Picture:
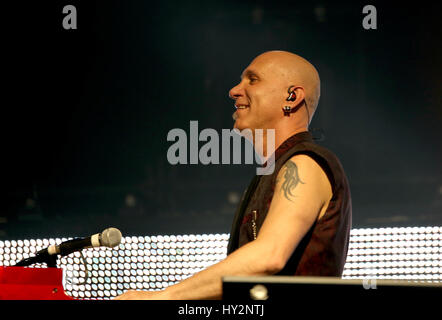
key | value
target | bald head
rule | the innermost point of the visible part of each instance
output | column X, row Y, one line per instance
column 296, row 71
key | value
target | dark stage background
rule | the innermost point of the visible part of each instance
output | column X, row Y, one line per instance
column 86, row 112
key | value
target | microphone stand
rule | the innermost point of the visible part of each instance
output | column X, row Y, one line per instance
column 50, row 260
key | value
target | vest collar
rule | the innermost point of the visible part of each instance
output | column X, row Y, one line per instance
column 292, row 141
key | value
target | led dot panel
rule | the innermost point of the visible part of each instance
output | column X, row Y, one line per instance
column 412, row 253
column 144, row 263
column 156, row 262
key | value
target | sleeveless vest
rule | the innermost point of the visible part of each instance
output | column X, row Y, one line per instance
column 323, row 249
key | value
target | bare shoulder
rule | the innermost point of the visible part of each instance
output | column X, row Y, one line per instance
column 303, row 172
column 301, row 196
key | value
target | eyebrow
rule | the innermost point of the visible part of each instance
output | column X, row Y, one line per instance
column 249, row 73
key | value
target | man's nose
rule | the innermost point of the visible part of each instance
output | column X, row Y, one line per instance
column 236, row 92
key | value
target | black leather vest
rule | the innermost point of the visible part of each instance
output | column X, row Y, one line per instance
column 323, row 250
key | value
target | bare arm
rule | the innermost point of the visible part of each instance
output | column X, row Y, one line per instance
column 301, row 193
column 207, row 284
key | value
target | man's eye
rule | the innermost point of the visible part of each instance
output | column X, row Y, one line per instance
column 252, row 80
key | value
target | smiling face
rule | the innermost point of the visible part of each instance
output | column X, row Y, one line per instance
column 262, row 92
column 259, row 95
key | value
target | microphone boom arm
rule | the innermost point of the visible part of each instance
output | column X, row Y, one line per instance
column 44, row 257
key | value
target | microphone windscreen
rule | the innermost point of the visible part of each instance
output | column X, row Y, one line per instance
column 111, row 237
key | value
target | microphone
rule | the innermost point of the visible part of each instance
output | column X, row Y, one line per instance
column 110, row 238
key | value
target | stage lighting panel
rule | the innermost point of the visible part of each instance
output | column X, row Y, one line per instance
column 155, row 262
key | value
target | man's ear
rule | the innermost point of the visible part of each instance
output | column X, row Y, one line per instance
column 296, row 94
column 293, row 102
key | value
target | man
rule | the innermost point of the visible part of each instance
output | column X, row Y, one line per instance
column 297, row 220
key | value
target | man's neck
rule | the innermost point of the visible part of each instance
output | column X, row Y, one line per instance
column 265, row 148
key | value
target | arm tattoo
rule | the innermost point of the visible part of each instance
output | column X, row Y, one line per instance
column 291, row 179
